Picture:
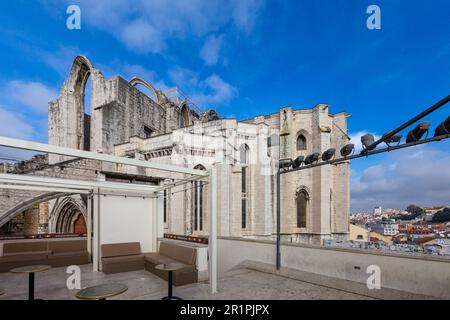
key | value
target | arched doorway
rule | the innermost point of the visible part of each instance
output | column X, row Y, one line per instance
column 185, row 116
column 79, row 225
column 68, row 216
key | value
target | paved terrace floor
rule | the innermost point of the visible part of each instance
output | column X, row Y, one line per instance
column 238, row 284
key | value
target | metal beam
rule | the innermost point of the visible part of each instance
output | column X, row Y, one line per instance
column 408, row 123
column 179, row 182
column 68, row 183
column 42, row 188
column 41, row 147
column 369, row 153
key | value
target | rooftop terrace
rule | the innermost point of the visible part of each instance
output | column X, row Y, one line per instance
column 238, row 284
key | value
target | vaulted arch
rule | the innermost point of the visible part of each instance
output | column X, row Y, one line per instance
column 302, row 207
column 66, row 213
column 136, row 80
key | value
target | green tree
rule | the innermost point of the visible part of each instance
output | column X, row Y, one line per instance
column 442, row 216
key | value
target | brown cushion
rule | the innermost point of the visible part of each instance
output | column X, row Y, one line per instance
column 24, row 246
column 68, row 254
column 121, row 249
column 178, row 252
column 17, row 254
column 156, row 258
column 24, row 257
column 129, row 258
column 67, row 246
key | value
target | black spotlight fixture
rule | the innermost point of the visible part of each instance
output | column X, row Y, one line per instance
column 328, row 155
column 285, row 164
column 394, row 139
column 367, row 140
column 443, row 128
column 347, row 149
column 417, row 133
column 298, row 162
column 314, row 157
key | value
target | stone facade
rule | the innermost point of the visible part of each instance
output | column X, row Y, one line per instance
column 126, row 122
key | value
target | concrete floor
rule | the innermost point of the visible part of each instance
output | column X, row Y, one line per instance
column 238, row 284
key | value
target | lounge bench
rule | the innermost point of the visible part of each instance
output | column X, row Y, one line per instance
column 171, row 252
column 55, row 253
column 122, row 257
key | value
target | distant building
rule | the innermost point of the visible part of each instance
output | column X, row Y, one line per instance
column 377, row 211
column 386, row 227
column 359, row 233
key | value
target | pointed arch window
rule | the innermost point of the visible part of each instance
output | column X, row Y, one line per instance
column 302, row 207
column 198, row 202
column 244, row 151
column 301, row 143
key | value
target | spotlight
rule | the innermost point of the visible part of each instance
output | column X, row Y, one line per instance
column 285, row 164
column 347, row 149
column 443, row 128
column 298, row 162
column 314, row 157
column 366, row 141
column 394, row 139
column 327, row 155
column 417, row 133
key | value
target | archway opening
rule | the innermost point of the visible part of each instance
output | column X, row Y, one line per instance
column 79, row 225
column 184, row 116
column 87, row 105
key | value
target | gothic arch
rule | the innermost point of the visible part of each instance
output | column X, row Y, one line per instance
column 184, row 112
column 79, row 73
column 66, row 211
column 244, row 154
column 302, row 205
column 136, row 80
column 26, row 204
column 302, row 140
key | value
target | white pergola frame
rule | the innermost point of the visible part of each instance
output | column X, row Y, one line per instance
column 39, row 183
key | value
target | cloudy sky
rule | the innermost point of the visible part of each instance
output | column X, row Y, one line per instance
column 250, row 57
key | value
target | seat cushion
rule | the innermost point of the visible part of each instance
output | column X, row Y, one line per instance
column 24, row 247
column 178, row 252
column 24, row 257
column 121, row 249
column 67, row 245
column 112, row 260
column 68, row 254
column 156, row 258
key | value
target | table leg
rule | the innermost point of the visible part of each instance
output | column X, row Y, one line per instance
column 31, row 286
column 170, row 288
column 170, row 284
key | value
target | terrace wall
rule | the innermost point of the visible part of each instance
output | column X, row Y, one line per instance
column 415, row 274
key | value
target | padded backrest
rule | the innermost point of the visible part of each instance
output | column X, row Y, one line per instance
column 31, row 246
column 178, row 252
column 67, row 245
column 121, row 249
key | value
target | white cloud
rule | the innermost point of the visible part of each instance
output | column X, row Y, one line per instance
column 211, row 49
column 142, row 37
column 419, row 175
column 33, row 95
column 14, row 126
column 147, row 26
column 219, row 91
column 245, row 13
column 60, row 60
column 204, row 92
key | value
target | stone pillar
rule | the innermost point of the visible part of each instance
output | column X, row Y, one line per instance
column 31, row 220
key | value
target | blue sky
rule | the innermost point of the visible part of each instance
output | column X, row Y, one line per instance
column 246, row 58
